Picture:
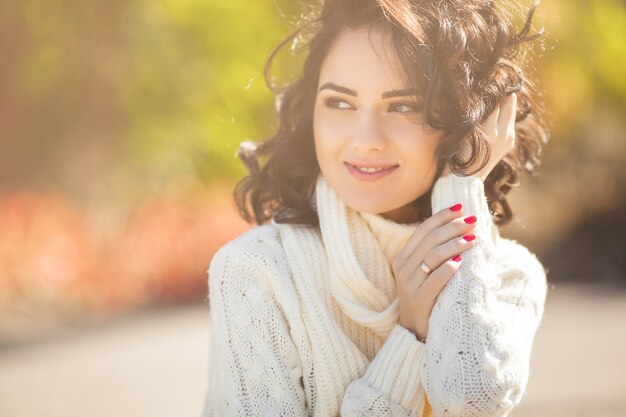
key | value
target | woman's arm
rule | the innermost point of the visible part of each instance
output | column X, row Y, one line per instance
column 391, row 384
column 483, row 324
column 254, row 367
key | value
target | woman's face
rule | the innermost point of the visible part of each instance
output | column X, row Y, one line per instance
column 364, row 116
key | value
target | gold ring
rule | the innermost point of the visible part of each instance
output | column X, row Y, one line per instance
column 425, row 268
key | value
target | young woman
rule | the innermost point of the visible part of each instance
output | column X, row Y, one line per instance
column 376, row 282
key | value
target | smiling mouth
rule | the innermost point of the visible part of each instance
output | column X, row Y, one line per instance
column 372, row 169
column 369, row 174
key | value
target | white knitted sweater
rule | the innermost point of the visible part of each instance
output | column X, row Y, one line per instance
column 304, row 320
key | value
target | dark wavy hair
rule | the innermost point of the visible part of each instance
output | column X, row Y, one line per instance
column 462, row 56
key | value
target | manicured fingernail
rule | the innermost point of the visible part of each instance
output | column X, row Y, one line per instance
column 457, row 258
column 456, row 207
column 469, row 237
column 470, row 219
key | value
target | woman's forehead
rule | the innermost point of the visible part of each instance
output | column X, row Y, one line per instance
column 365, row 59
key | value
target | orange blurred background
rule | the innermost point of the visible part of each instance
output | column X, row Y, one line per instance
column 120, row 120
column 119, row 124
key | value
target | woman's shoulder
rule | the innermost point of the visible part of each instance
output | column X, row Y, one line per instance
column 253, row 268
column 244, row 270
column 257, row 246
column 261, row 249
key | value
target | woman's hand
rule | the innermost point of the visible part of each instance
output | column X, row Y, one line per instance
column 436, row 241
column 499, row 128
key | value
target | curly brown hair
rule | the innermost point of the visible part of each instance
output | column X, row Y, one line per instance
column 462, row 56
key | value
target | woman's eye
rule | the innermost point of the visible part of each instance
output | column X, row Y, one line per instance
column 337, row 104
column 404, row 107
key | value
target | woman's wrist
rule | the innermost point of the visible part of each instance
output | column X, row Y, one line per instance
column 418, row 337
column 414, row 332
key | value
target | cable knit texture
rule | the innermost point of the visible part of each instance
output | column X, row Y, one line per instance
column 304, row 320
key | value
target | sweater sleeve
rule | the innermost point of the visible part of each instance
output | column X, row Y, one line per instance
column 484, row 321
column 391, row 384
column 254, row 367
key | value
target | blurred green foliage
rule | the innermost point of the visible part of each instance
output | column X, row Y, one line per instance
column 119, row 102
column 197, row 87
column 169, row 88
column 586, row 63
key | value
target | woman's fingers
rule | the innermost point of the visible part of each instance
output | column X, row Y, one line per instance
column 507, row 113
column 501, row 121
column 442, row 244
column 490, row 125
column 499, row 129
column 506, row 120
column 441, row 218
column 437, row 256
column 439, row 278
column 436, row 241
column 455, row 228
column 427, row 292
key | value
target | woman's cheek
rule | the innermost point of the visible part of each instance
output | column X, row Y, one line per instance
column 402, row 131
column 327, row 139
column 331, row 128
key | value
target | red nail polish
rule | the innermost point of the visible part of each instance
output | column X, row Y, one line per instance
column 470, row 219
column 470, row 236
column 457, row 258
column 456, row 207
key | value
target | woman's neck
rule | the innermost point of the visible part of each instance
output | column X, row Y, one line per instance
column 391, row 235
column 403, row 215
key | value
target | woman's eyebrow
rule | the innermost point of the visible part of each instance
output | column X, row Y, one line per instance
column 400, row 93
column 339, row 89
column 387, row 94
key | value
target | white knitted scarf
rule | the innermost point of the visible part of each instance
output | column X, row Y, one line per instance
column 360, row 275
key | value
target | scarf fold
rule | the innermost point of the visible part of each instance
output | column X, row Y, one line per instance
column 360, row 247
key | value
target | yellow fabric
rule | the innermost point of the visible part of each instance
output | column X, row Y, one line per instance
column 428, row 410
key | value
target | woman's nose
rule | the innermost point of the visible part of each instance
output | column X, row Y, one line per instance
column 368, row 133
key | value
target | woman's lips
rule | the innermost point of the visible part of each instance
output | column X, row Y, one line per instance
column 369, row 176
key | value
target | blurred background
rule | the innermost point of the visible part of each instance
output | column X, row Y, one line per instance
column 119, row 124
